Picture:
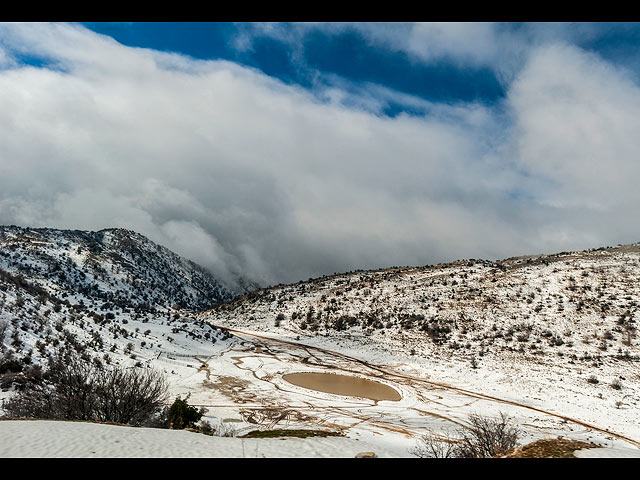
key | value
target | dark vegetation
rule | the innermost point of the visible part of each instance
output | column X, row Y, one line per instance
column 72, row 389
column 279, row 433
column 75, row 389
column 181, row 415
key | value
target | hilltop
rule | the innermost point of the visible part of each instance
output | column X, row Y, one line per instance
column 113, row 265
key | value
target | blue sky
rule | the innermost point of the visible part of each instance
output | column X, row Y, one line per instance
column 345, row 54
column 296, row 57
column 283, row 151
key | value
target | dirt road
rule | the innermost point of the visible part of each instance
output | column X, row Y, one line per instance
column 388, row 373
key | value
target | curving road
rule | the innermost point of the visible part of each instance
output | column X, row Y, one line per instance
column 385, row 372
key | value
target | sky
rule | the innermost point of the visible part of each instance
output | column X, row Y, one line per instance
column 284, row 151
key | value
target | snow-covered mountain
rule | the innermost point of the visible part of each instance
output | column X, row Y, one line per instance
column 552, row 336
column 577, row 307
column 113, row 266
column 109, row 296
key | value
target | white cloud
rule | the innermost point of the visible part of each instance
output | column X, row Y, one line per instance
column 6, row 60
column 474, row 43
column 577, row 118
column 244, row 174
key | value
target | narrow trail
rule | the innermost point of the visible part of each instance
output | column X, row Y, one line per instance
column 391, row 373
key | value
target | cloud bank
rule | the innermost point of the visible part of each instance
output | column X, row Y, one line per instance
column 248, row 176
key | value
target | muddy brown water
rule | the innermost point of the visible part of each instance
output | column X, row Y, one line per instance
column 343, row 385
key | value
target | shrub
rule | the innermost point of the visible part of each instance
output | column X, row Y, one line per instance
column 485, row 437
column 205, row 427
column 430, row 446
column 72, row 389
column 9, row 364
column 182, row 415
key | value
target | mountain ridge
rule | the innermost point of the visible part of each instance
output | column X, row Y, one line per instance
column 112, row 264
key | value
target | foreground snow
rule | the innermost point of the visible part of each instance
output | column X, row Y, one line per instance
column 617, row 452
column 44, row 438
column 49, row 439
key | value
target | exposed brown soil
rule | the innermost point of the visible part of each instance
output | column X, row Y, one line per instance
column 549, row 448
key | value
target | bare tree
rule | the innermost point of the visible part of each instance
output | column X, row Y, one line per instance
column 432, row 446
column 485, row 437
column 60, row 393
column 130, row 395
column 72, row 389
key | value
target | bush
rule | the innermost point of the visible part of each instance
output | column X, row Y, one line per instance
column 182, row 415
column 10, row 365
column 483, row 438
column 487, row 437
column 430, row 446
column 205, row 427
column 72, row 389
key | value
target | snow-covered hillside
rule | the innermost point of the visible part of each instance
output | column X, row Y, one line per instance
column 549, row 339
column 556, row 333
column 111, row 296
column 115, row 266
column 581, row 308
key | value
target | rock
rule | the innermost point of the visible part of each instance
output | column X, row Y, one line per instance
column 366, row 455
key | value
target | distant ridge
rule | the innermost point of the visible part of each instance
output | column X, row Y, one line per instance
column 112, row 265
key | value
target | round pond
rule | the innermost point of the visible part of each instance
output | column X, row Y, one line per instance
column 343, row 385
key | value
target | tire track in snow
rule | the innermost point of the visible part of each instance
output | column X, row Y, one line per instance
column 386, row 372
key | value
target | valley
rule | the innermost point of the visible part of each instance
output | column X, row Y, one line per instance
column 548, row 340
